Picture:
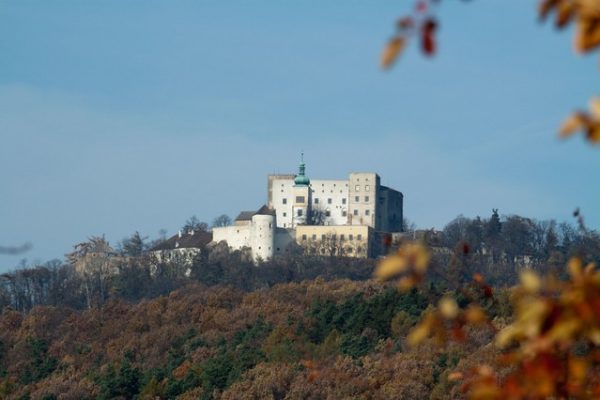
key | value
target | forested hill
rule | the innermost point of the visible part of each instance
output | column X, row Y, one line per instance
column 310, row 340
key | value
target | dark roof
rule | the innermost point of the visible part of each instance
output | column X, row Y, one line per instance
column 187, row 241
column 264, row 210
column 247, row 215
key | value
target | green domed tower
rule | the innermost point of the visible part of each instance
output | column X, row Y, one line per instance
column 301, row 206
column 301, row 179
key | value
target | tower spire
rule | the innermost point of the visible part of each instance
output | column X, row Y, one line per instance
column 301, row 179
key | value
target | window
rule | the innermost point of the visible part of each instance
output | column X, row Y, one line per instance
column 366, row 199
column 355, row 212
column 344, row 200
column 300, row 212
column 357, row 188
column 285, row 214
column 342, row 237
column 270, row 225
column 316, row 201
column 328, row 201
column 333, row 236
column 367, row 212
column 358, row 237
column 314, row 237
column 344, row 213
column 284, row 201
column 350, row 237
column 303, row 237
column 367, row 187
column 328, row 213
column 300, row 199
column 356, row 199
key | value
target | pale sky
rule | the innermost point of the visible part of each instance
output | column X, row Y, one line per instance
column 117, row 116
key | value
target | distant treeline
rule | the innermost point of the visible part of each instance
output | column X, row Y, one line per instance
column 495, row 247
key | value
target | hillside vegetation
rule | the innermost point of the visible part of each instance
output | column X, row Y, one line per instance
column 310, row 340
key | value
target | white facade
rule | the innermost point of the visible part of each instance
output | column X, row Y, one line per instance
column 295, row 201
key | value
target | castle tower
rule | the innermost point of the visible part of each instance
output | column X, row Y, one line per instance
column 301, row 200
column 262, row 235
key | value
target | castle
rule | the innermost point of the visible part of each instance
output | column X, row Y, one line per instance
column 351, row 217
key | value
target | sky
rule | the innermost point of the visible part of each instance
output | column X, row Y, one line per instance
column 118, row 117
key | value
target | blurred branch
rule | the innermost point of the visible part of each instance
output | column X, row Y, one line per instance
column 13, row 250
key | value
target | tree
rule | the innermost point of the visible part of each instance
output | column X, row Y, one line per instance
column 194, row 224
column 585, row 14
column 134, row 245
column 221, row 220
column 317, row 216
column 93, row 261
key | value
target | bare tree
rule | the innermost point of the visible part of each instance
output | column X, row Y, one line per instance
column 221, row 220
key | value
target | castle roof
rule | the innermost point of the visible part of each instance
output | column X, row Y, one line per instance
column 197, row 240
column 247, row 215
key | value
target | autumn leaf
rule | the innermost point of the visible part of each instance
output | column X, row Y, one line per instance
column 428, row 36
column 574, row 123
column 392, row 51
column 587, row 35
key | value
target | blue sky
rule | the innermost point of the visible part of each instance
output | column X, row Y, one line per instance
column 122, row 116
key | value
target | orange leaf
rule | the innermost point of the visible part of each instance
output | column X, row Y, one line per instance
column 392, row 51
column 546, row 6
column 564, row 13
column 574, row 123
column 587, row 36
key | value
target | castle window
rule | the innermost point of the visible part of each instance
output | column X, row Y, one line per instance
column 351, row 237
column 328, row 213
column 356, row 199
column 359, row 237
column 342, row 237
column 355, row 212
column 300, row 213
column 367, row 212
column 314, row 237
column 344, row 213
column 316, row 200
column 328, row 201
column 357, row 188
column 344, row 200
column 284, row 201
column 367, row 199
column 367, row 188
column 299, row 199
column 285, row 214
column 303, row 237
column 322, row 237
column 278, row 249
column 270, row 225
